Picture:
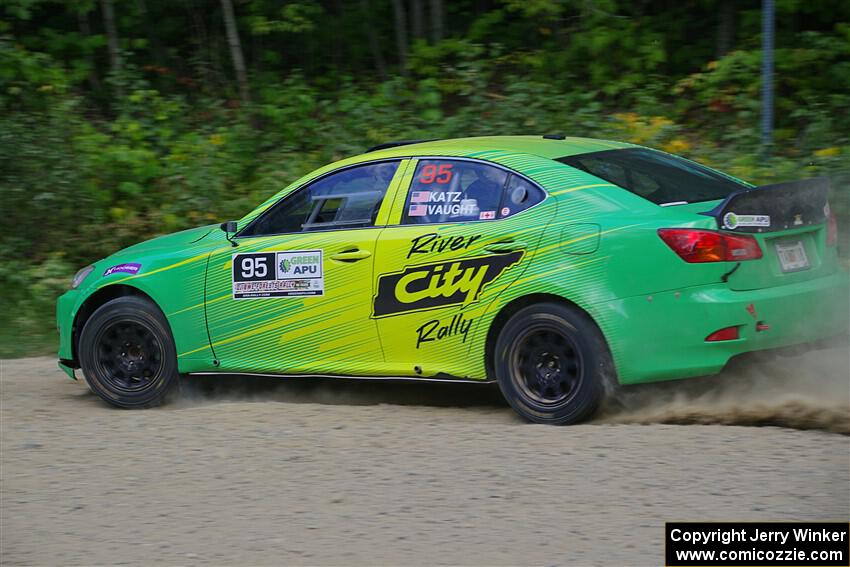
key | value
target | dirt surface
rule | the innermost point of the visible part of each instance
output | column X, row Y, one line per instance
column 270, row 471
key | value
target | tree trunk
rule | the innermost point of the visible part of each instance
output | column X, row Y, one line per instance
column 111, row 35
column 372, row 37
column 417, row 19
column 85, row 31
column 401, row 34
column 203, row 65
column 725, row 28
column 437, row 20
column 150, row 31
column 236, row 51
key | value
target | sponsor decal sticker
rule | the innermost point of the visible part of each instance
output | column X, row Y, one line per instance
column 291, row 273
column 129, row 268
column 505, row 211
column 441, row 284
column 733, row 221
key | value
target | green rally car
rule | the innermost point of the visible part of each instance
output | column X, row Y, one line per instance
column 555, row 266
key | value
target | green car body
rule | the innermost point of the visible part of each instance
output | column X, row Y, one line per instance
column 383, row 309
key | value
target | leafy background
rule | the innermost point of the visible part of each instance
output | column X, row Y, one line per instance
column 124, row 120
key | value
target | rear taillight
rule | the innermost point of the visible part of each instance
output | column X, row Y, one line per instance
column 697, row 245
column 725, row 334
column 831, row 227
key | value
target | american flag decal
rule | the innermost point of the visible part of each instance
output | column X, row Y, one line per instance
column 417, row 211
column 420, row 196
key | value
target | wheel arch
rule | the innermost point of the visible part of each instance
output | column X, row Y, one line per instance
column 515, row 305
column 93, row 302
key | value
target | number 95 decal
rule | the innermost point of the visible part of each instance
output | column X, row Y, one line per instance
column 290, row 273
column 432, row 174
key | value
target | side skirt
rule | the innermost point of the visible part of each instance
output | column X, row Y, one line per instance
column 438, row 378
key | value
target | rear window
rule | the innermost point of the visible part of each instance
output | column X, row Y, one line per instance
column 658, row 177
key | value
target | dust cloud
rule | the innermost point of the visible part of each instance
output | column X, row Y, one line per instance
column 800, row 389
column 803, row 389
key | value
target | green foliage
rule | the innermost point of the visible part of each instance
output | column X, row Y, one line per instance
column 93, row 161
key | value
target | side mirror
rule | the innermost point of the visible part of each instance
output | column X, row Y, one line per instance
column 229, row 226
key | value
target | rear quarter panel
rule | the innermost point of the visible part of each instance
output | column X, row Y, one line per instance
column 627, row 257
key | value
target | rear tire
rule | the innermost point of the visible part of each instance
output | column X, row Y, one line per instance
column 127, row 353
column 552, row 364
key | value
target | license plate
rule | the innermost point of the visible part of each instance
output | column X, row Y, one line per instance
column 792, row 256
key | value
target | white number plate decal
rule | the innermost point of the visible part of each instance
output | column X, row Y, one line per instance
column 293, row 273
column 792, row 256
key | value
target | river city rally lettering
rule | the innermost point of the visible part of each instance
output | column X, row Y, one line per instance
column 440, row 284
column 434, row 330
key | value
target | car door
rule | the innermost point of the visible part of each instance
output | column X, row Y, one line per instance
column 294, row 295
column 465, row 230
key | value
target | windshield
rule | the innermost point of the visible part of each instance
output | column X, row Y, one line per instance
column 661, row 178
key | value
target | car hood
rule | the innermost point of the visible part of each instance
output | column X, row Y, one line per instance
column 166, row 242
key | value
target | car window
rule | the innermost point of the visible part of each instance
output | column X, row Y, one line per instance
column 345, row 199
column 656, row 176
column 520, row 194
column 453, row 191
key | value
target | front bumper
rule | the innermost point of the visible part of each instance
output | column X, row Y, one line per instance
column 662, row 336
column 66, row 306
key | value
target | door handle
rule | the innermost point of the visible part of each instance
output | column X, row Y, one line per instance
column 351, row 255
column 506, row 246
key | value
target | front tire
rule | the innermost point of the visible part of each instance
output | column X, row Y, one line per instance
column 552, row 364
column 127, row 353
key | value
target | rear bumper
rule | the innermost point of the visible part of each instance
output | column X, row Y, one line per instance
column 662, row 336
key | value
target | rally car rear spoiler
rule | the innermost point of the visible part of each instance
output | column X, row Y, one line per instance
column 769, row 208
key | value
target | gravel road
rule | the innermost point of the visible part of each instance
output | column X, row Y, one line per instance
column 267, row 471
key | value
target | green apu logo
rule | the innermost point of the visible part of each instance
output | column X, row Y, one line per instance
column 733, row 221
column 300, row 264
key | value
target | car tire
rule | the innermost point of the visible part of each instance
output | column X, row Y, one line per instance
column 552, row 364
column 127, row 353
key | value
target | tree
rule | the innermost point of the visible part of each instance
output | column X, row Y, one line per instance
column 437, row 20
column 401, row 34
column 725, row 28
column 235, row 51
column 372, row 38
column 111, row 35
column 417, row 19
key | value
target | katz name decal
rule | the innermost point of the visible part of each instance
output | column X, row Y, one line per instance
column 431, row 286
column 278, row 274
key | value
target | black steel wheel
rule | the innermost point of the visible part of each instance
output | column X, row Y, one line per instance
column 552, row 364
column 127, row 353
